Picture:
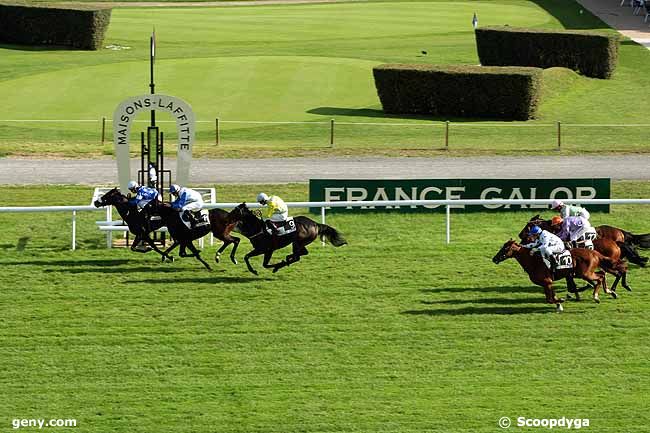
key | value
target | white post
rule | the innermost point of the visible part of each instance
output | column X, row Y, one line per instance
column 448, row 225
column 322, row 221
column 109, row 233
column 74, row 230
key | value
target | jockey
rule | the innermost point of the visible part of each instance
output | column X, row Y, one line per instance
column 277, row 211
column 575, row 229
column 145, row 197
column 187, row 201
column 569, row 210
column 546, row 243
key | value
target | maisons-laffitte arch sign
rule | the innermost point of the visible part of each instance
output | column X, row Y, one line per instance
column 129, row 109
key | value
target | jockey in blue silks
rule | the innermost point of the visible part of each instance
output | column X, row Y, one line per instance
column 145, row 196
column 187, row 201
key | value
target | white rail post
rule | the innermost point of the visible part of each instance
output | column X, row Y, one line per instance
column 109, row 233
column 322, row 221
column 448, row 225
column 74, row 230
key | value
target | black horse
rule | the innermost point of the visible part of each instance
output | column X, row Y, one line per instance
column 138, row 222
column 181, row 234
column 307, row 230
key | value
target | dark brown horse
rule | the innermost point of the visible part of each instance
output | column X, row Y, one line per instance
column 221, row 226
column 585, row 265
column 307, row 230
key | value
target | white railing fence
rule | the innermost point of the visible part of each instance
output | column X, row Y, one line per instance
column 324, row 205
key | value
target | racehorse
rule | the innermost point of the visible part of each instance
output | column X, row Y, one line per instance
column 607, row 247
column 181, row 234
column 307, row 230
column 221, row 227
column 136, row 221
column 617, row 235
column 585, row 263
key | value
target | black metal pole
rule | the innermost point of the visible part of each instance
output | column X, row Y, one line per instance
column 152, row 86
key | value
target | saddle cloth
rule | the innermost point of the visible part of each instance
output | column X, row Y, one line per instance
column 563, row 260
column 201, row 218
column 283, row 227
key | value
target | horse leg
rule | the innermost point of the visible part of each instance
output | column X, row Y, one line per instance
column 197, row 254
column 168, row 250
column 551, row 298
column 267, row 259
column 627, row 287
column 248, row 263
column 217, row 255
column 234, row 249
column 572, row 288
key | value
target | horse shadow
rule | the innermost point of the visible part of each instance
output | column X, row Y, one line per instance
column 494, row 289
column 502, row 310
column 199, row 280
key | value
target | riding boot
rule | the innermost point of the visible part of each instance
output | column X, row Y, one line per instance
column 190, row 217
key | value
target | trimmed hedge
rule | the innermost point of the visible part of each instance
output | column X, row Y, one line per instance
column 459, row 91
column 35, row 25
column 590, row 53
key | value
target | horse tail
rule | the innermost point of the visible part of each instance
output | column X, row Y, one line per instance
column 332, row 235
column 607, row 264
column 642, row 241
column 631, row 254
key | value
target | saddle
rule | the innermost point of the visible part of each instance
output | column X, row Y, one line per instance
column 282, row 227
column 199, row 220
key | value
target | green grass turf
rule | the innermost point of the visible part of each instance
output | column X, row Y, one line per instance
column 308, row 63
column 395, row 332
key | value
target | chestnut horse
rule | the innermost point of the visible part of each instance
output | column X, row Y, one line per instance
column 605, row 246
column 585, row 265
column 619, row 235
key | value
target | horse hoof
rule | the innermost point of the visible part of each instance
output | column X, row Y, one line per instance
column 559, row 308
column 628, row 288
column 597, row 300
column 216, row 259
column 171, row 259
column 614, row 295
column 234, row 261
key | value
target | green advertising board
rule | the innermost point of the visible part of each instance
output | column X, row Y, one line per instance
column 449, row 189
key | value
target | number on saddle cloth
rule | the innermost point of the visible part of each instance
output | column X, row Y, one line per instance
column 283, row 227
column 563, row 260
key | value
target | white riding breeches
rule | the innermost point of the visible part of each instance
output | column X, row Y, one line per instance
column 193, row 207
column 278, row 217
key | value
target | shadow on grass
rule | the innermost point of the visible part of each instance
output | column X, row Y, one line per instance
column 68, row 263
column 378, row 113
column 504, row 301
column 198, row 280
column 494, row 289
column 482, row 310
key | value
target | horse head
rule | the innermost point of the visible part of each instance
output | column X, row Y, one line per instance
column 534, row 221
column 109, row 198
column 507, row 250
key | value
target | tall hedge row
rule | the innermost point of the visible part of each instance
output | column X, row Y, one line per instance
column 590, row 53
column 459, row 91
column 35, row 25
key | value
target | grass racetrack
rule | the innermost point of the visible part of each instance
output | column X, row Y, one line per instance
column 395, row 332
column 308, row 63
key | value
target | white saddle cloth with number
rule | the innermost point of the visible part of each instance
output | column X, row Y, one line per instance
column 563, row 260
column 283, row 227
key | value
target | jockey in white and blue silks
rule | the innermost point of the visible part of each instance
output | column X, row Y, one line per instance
column 143, row 195
column 187, row 201
column 546, row 243
column 575, row 229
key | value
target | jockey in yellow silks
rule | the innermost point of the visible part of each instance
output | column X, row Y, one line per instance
column 276, row 209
